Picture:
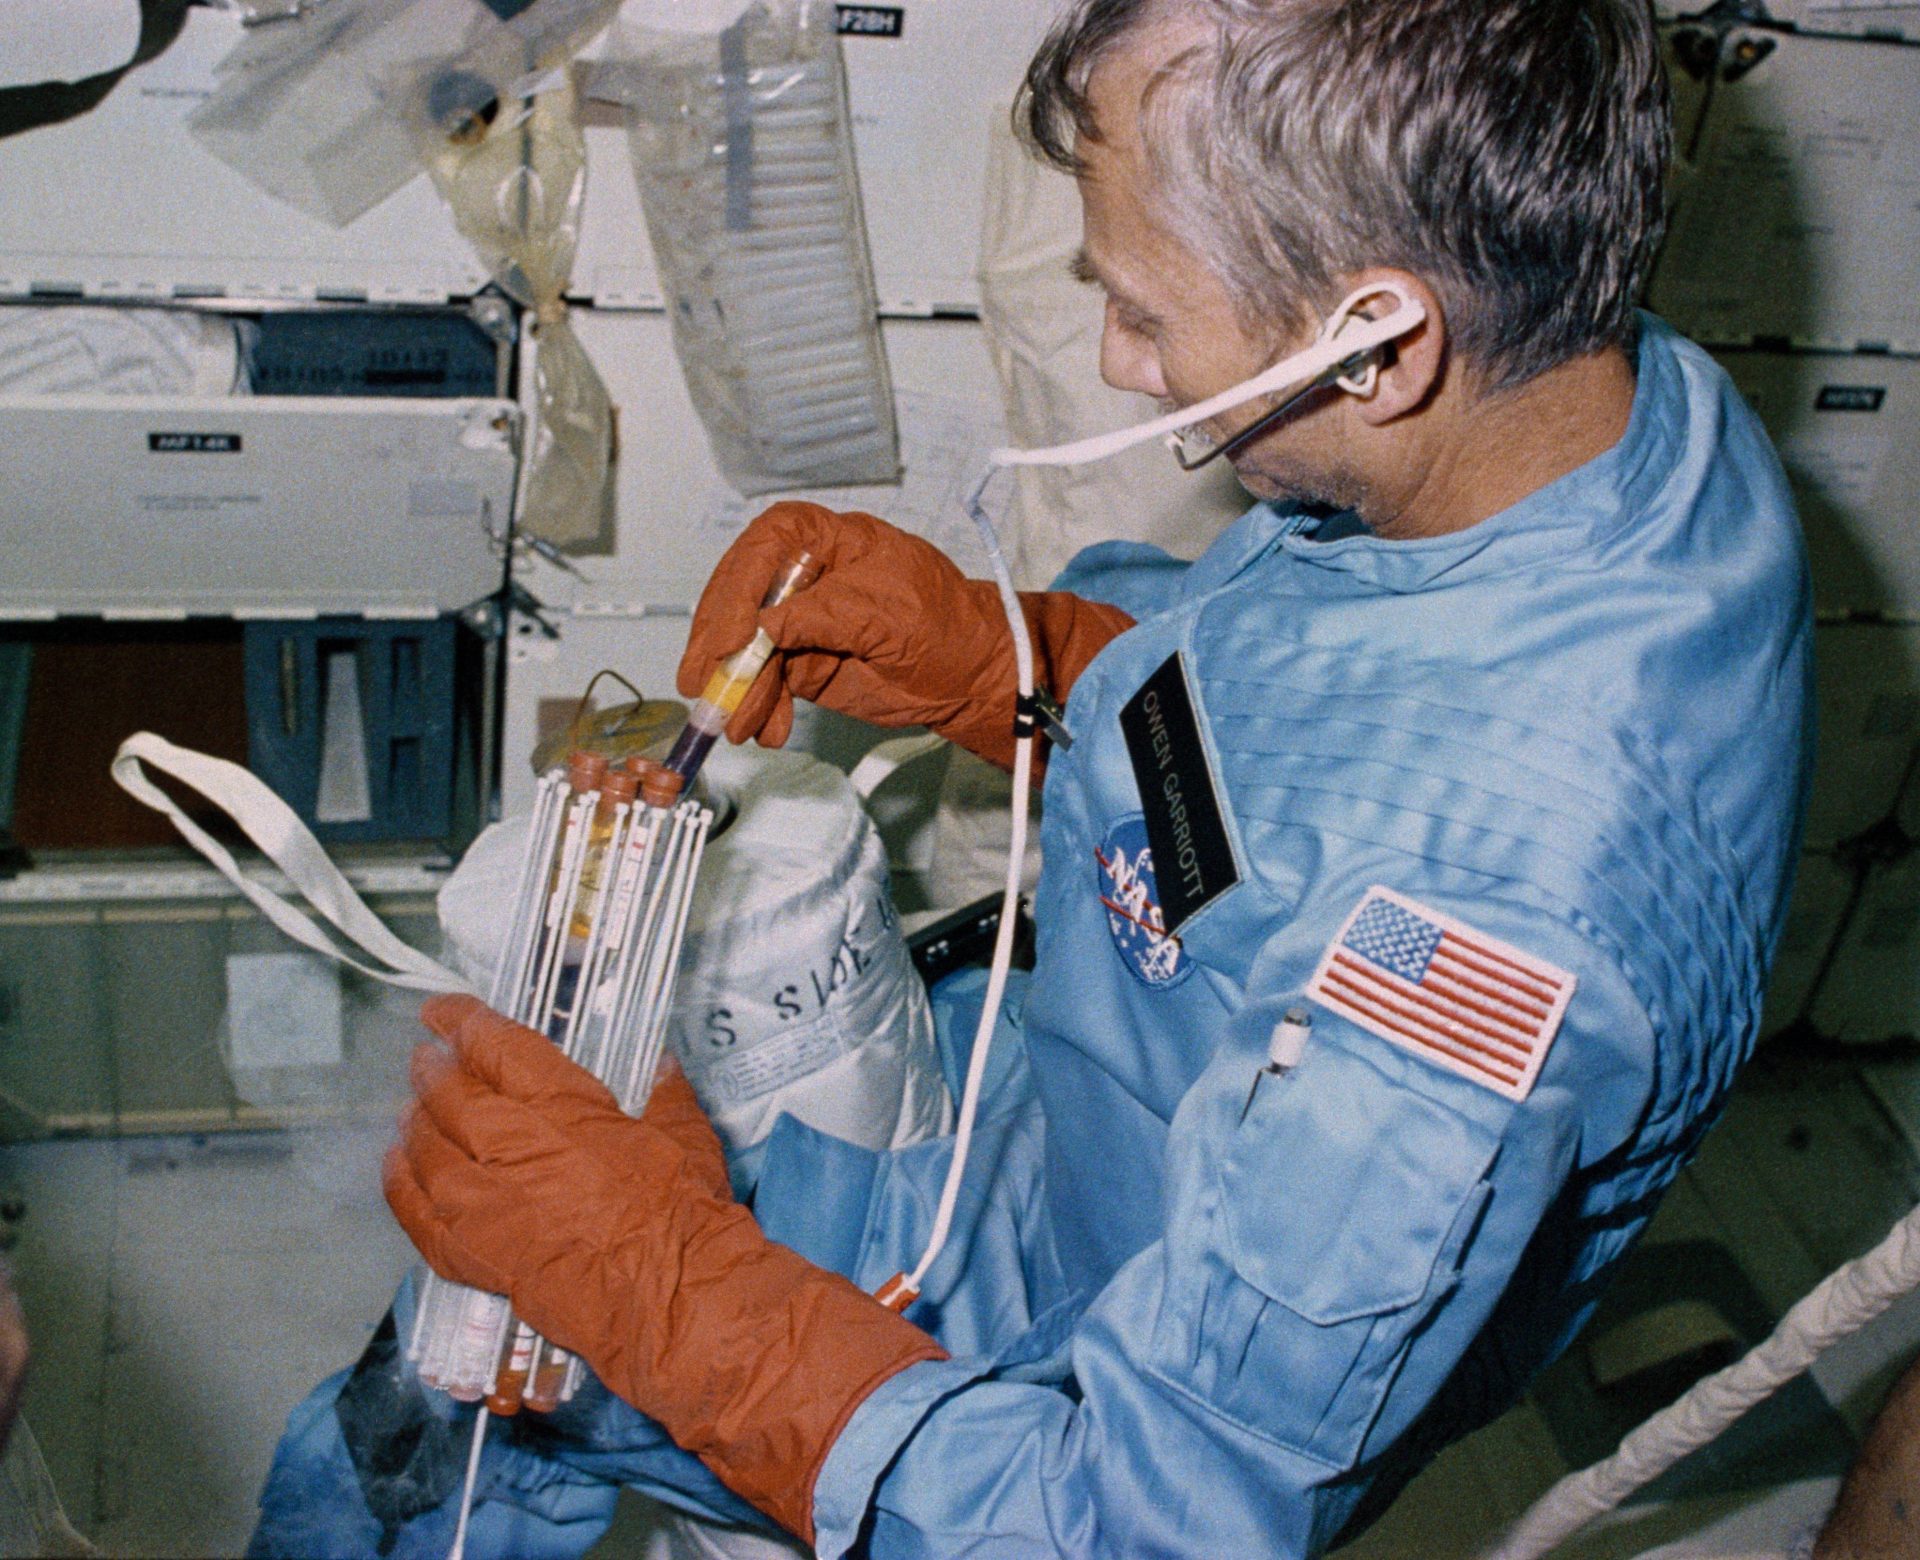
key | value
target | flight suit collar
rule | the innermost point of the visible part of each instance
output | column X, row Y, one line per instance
column 1578, row 510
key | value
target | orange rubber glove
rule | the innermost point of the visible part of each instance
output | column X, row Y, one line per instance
column 891, row 632
column 619, row 1239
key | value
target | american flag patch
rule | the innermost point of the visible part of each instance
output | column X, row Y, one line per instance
column 1434, row 986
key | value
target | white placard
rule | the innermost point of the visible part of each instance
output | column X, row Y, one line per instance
column 344, row 795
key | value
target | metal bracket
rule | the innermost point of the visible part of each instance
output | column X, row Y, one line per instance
column 1041, row 711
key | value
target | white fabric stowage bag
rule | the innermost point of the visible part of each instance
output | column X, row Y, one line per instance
column 88, row 349
column 796, row 991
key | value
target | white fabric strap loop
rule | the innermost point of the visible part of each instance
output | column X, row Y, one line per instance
column 287, row 842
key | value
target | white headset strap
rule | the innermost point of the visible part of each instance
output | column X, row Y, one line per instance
column 1345, row 335
column 274, row 826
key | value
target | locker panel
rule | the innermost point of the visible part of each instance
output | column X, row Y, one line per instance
column 1800, row 222
column 1847, row 427
column 252, row 506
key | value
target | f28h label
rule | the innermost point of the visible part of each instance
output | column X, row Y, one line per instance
column 869, row 21
column 194, row 443
column 1192, row 857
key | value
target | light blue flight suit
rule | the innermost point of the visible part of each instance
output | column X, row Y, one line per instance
column 1200, row 1309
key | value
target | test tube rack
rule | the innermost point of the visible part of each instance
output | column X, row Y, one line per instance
column 592, row 948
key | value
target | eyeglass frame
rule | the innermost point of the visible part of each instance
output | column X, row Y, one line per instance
column 1361, row 362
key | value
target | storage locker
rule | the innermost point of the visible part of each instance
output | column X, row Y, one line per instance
column 1798, row 224
column 1847, row 426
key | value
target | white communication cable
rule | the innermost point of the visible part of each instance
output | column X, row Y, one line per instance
column 899, row 1292
column 459, row 1549
column 1837, row 1307
column 1346, row 334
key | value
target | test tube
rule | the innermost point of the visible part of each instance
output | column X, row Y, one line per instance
column 728, row 685
column 617, row 789
column 546, row 1388
column 510, row 1377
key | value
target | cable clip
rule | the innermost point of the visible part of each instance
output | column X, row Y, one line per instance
column 1039, row 711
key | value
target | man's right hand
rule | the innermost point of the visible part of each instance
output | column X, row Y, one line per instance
column 891, row 632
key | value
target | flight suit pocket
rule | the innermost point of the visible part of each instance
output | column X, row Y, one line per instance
column 1345, row 1202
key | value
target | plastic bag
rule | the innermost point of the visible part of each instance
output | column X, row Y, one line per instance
column 319, row 108
column 743, row 149
column 89, row 349
column 514, row 172
column 335, row 109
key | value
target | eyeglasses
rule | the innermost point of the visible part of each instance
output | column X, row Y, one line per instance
column 1363, row 363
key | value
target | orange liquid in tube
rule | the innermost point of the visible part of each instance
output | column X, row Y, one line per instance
column 617, row 788
column 510, row 1378
column 727, row 687
column 549, row 1381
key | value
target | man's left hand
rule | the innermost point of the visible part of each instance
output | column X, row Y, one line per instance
column 619, row 1238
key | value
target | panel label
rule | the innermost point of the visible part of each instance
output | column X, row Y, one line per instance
column 870, row 21
column 1850, row 398
column 194, row 443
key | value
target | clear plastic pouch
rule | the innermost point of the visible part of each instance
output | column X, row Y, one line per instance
column 318, row 108
column 743, row 150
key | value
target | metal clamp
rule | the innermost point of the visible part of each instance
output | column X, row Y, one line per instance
column 1039, row 711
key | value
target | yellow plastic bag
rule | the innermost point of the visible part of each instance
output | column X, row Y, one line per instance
column 515, row 178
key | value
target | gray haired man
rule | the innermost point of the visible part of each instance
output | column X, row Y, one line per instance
column 1409, row 887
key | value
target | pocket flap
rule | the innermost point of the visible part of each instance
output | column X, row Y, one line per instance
column 1343, row 1188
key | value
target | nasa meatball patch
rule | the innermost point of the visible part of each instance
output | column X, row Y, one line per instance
column 1130, row 897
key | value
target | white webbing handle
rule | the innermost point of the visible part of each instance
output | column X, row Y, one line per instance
column 287, row 842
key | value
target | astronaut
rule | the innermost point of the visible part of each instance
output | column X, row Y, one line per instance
column 1409, row 886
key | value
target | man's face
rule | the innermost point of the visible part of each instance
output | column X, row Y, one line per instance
column 1171, row 328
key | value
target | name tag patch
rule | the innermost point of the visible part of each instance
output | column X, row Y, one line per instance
column 1192, row 858
column 1130, row 894
column 1453, row 996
